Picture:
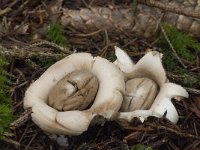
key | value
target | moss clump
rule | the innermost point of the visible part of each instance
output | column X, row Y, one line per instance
column 190, row 80
column 56, row 34
column 186, row 48
column 47, row 62
column 6, row 116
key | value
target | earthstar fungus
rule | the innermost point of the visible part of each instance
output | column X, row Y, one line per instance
column 70, row 93
column 148, row 92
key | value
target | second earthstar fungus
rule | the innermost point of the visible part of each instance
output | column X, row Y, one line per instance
column 148, row 91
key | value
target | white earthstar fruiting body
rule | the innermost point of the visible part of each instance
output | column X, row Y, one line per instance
column 107, row 102
column 150, row 66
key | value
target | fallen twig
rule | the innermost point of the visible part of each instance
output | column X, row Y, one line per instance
column 43, row 42
column 182, row 134
column 8, row 9
column 12, row 143
column 171, row 7
column 24, row 117
column 27, row 147
column 90, row 34
column 24, row 53
column 192, row 90
column 103, row 51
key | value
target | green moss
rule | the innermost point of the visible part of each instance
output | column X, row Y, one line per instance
column 4, row 84
column 190, row 80
column 170, row 62
column 46, row 62
column 185, row 46
column 6, row 116
column 56, row 34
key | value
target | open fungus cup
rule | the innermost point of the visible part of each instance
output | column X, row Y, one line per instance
column 147, row 92
column 69, row 94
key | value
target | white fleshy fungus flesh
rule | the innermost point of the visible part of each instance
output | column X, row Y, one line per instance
column 149, row 67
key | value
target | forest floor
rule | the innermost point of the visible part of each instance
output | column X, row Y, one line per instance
column 24, row 32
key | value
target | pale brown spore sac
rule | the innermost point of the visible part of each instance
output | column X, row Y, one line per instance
column 144, row 22
column 76, row 91
column 140, row 94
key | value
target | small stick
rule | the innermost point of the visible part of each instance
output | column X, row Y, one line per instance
column 182, row 134
column 166, row 7
column 24, row 117
column 140, row 129
column 21, row 138
column 43, row 42
column 192, row 90
column 134, row 54
column 4, row 11
column 8, row 9
column 103, row 52
column 22, row 53
column 89, row 34
column 31, row 141
column 187, row 135
column 12, row 143
column 194, row 69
